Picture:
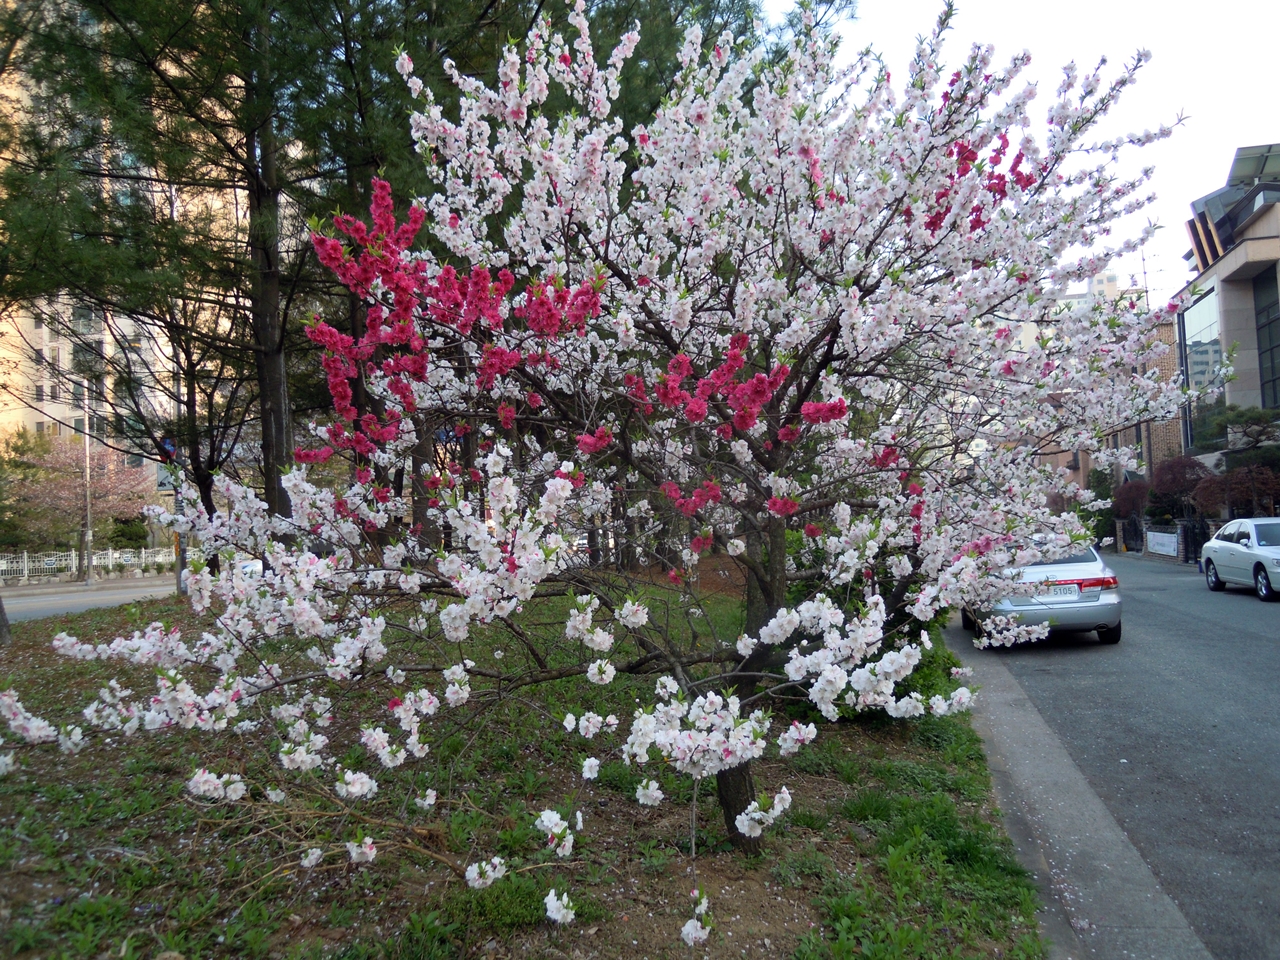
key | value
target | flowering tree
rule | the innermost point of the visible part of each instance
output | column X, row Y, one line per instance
column 44, row 487
column 803, row 320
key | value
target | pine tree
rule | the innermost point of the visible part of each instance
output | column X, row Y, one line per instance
column 163, row 162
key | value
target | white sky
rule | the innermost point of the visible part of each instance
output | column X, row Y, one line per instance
column 1215, row 63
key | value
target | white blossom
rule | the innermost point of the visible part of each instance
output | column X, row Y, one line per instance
column 649, row 794
column 559, row 909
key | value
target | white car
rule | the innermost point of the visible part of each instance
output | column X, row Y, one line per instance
column 249, row 567
column 1246, row 552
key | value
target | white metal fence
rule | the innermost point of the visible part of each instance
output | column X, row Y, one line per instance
column 26, row 565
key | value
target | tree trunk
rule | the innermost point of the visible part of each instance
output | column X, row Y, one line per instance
column 765, row 596
column 204, row 483
column 80, row 552
column 423, row 457
column 264, row 288
column 736, row 789
column 5, row 636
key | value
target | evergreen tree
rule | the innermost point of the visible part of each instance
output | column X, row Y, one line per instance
column 163, row 161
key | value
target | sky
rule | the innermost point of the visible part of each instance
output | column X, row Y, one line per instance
column 1214, row 64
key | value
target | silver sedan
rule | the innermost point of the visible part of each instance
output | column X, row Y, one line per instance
column 1078, row 592
column 1246, row 552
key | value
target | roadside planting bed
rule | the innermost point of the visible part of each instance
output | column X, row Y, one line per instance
column 892, row 848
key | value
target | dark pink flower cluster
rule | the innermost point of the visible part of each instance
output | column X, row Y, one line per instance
column 818, row 412
column 377, row 266
column 550, row 308
column 595, row 442
column 706, row 494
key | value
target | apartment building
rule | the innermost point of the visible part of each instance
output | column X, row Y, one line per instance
column 63, row 361
column 61, row 365
column 1154, row 441
column 1234, row 301
column 47, row 360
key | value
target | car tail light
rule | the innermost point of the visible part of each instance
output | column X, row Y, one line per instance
column 1104, row 583
column 1089, row 583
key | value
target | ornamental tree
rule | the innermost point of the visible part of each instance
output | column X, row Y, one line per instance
column 43, row 488
column 803, row 322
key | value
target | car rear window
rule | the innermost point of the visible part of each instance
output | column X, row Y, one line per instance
column 1268, row 534
column 1086, row 557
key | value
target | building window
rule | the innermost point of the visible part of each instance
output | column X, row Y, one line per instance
column 39, row 321
column 78, row 425
column 1266, row 304
column 39, row 426
column 84, row 320
column 86, row 357
column 38, row 356
column 39, row 393
column 53, row 392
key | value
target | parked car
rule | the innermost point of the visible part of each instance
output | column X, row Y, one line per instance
column 249, row 566
column 1076, row 593
column 1246, row 552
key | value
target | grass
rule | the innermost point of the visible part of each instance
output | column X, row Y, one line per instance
column 941, row 879
column 891, row 850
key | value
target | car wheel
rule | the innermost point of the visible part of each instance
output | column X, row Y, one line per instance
column 1262, row 585
column 1109, row 634
column 1211, row 577
column 966, row 619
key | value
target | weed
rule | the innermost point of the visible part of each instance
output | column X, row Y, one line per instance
column 809, row 819
column 514, row 904
column 618, row 776
column 528, row 783
column 653, row 857
column 797, row 867
column 868, row 806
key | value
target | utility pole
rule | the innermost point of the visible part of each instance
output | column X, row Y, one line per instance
column 179, row 473
column 181, row 565
column 88, row 493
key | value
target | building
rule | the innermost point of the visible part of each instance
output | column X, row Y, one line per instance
column 68, row 367
column 1154, row 441
column 1104, row 286
column 1234, row 300
column 50, row 353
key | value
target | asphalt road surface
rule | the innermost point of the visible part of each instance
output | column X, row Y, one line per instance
column 74, row 598
column 1177, row 730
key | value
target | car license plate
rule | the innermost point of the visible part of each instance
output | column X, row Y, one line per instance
column 1062, row 591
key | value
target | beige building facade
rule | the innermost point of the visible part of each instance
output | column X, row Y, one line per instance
column 1234, row 301
column 49, row 378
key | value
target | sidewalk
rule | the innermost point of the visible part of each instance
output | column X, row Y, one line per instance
column 1150, row 557
column 1101, row 900
column 69, row 587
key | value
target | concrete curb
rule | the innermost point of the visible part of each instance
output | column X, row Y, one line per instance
column 1101, row 899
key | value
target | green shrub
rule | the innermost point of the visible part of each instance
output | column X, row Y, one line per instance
column 932, row 675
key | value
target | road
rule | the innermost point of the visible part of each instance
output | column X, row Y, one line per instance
column 32, row 604
column 1176, row 730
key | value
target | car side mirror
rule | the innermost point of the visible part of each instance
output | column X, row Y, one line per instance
column 1246, row 542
